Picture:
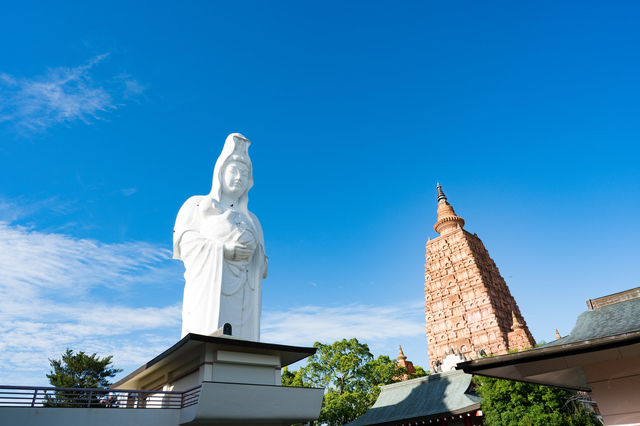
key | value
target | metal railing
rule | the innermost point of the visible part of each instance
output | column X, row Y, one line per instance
column 25, row 396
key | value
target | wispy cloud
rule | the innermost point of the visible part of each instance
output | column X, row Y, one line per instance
column 38, row 261
column 17, row 208
column 132, row 87
column 369, row 323
column 62, row 95
column 58, row 291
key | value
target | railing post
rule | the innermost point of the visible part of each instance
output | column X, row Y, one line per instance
column 33, row 401
column 89, row 401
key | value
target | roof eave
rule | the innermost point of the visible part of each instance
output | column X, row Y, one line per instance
column 549, row 363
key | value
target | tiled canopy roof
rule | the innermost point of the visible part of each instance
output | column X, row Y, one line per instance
column 424, row 398
column 604, row 321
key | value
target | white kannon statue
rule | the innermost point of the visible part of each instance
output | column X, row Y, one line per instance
column 222, row 247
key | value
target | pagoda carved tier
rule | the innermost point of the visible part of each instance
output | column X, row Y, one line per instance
column 469, row 308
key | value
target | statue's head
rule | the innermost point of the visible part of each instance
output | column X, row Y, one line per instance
column 233, row 173
column 235, row 179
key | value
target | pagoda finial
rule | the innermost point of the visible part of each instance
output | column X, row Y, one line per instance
column 448, row 221
column 516, row 324
column 401, row 354
column 558, row 335
column 441, row 195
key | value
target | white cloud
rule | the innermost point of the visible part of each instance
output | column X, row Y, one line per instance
column 132, row 87
column 61, row 95
column 40, row 262
column 382, row 327
column 61, row 292
column 18, row 208
column 376, row 325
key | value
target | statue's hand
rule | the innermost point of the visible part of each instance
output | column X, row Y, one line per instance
column 229, row 251
column 237, row 251
column 247, row 240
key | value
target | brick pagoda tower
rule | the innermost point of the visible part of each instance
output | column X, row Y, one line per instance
column 468, row 304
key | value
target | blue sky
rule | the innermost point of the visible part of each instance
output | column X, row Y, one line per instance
column 111, row 116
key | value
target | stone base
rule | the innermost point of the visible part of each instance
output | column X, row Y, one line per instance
column 239, row 379
column 230, row 403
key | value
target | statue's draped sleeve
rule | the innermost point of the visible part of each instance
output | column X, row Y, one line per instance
column 188, row 219
column 204, row 261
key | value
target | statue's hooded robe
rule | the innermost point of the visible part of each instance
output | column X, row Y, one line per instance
column 218, row 290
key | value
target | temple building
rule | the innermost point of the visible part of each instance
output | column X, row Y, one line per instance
column 469, row 309
column 601, row 355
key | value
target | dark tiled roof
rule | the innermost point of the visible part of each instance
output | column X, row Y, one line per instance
column 606, row 321
column 423, row 398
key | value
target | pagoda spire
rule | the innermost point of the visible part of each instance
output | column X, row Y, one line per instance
column 441, row 195
column 516, row 324
column 402, row 362
column 401, row 354
column 448, row 221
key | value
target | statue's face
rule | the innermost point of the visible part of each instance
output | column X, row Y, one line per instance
column 235, row 179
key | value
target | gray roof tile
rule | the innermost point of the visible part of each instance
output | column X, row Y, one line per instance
column 606, row 321
column 420, row 398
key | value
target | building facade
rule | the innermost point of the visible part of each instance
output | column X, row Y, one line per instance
column 468, row 305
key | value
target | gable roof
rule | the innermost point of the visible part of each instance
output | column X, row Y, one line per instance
column 422, row 399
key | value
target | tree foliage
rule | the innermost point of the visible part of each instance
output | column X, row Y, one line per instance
column 79, row 371
column 420, row 372
column 292, row 378
column 508, row 403
column 351, row 377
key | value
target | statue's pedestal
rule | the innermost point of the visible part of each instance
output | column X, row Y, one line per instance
column 239, row 379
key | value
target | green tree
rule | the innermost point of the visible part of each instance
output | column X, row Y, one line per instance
column 79, row 371
column 420, row 372
column 508, row 403
column 350, row 375
column 292, row 378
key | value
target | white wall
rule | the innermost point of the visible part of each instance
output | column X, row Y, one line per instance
column 616, row 388
column 19, row 416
